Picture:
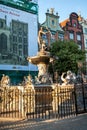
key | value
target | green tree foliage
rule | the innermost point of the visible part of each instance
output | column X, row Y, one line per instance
column 68, row 55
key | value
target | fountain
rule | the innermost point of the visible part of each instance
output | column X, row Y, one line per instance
column 42, row 60
column 43, row 83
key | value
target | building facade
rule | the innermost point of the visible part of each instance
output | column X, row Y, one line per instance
column 73, row 29
column 83, row 22
column 52, row 24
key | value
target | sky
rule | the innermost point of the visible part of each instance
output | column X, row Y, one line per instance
column 63, row 7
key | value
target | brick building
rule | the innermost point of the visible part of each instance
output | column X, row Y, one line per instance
column 73, row 29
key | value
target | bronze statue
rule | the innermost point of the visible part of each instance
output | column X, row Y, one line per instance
column 41, row 42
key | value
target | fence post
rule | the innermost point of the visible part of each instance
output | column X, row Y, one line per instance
column 83, row 96
column 75, row 99
column 21, row 110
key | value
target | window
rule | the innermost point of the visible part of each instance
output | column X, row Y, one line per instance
column 71, row 35
column 25, row 50
column 78, row 37
column 61, row 36
column 20, row 52
column 74, row 24
column 3, row 42
column 1, row 24
column 20, row 39
column 86, row 43
column 14, row 39
column 52, row 22
column 85, row 30
column 79, row 46
column 20, row 46
column 25, row 40
column 14, row 48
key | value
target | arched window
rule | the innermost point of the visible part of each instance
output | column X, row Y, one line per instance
column 52, row 22
column 3, row 42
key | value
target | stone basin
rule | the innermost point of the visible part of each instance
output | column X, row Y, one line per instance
column 39, row 59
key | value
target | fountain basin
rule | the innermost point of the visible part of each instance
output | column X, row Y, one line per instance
column 39, row 59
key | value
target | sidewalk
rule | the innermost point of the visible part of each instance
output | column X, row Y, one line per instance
column 73, row 123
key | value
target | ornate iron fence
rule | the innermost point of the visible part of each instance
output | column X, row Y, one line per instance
column 43, row 102
column 38, row 102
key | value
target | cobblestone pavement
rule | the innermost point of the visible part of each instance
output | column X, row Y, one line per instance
column 73, row 123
